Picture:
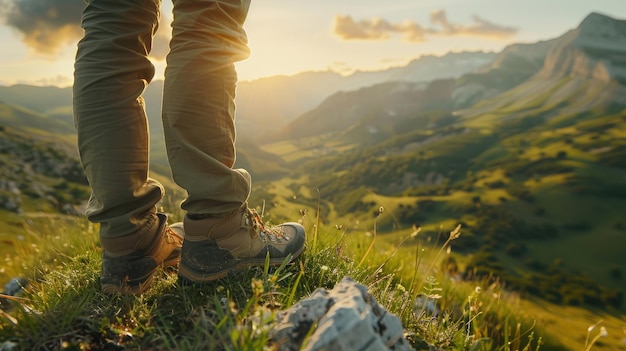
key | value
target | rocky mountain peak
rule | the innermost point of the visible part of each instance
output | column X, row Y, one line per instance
column 599, row 25
column 595, row 49
column 600, row 32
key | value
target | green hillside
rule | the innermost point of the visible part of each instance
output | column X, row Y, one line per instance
column 551, row 176
column 41, row 179
column 38, row 178
column 540, row 195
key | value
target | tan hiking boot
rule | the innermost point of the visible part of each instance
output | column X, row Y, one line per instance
column 131, row 271
column 215, row 246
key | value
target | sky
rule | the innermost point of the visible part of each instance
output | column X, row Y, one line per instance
column 287, row 37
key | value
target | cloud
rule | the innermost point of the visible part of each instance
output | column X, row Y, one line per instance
column 480, row 27
column 375, row 29
column 46, row 25
column 347, row 28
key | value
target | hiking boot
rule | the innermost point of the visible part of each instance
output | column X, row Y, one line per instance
column 131, row 271
column 215, row 246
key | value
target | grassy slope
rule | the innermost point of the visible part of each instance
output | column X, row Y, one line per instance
column 62, row 308
column 592, row 250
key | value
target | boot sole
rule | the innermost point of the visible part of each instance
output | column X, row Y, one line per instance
column 138, row 286
column 188, row 275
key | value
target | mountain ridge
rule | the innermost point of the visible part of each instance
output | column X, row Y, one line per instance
column 284, row 98
column 556, row 67
column 595, row 49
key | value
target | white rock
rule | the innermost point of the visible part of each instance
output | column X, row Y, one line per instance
column 347, row 318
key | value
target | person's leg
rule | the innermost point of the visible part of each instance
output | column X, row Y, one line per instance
column 221, row 232
column 198, row 103
column 111, row 72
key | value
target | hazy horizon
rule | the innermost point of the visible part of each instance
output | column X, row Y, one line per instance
column 321, row 36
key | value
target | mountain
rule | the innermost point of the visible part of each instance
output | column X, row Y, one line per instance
column 266, row 105
column 596, row 49
column 263, row 106
column 373, row 113
column 588, row 60
column 512, row 66
column 583, row 62
column 43, row 100
column 426, row 68
column 583, row 70
column 37, row 125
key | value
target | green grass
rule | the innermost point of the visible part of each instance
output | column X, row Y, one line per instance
column 63, row 308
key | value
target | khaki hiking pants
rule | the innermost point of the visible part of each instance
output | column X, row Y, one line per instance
column 111, row 72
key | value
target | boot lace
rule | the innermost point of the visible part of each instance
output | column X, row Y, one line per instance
column 170, row 236
column 265, row 233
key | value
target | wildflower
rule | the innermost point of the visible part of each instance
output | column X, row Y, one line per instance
column 338, row 226
column 303, row 212
column 401, row 288
column 324, row 268
column 592, row 327
column 381, row 209
column 456, row 232
column 416, row 230
column 257, row 287
column 431, row 280
column 477, row 290
column 603, row 332
column 261, row 320
column 231, row 305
